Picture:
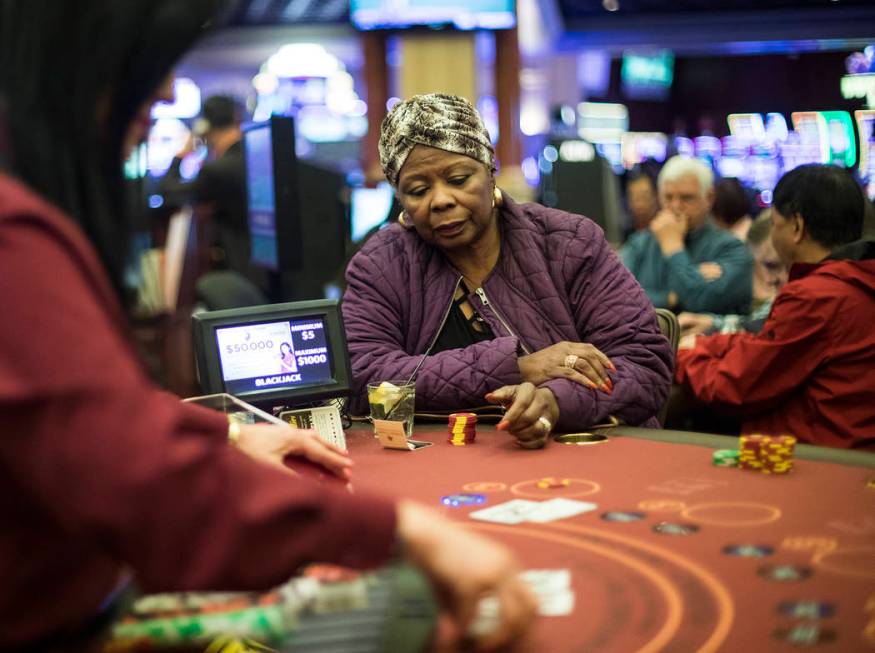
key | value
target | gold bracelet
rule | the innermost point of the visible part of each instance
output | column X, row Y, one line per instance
column 233, row 433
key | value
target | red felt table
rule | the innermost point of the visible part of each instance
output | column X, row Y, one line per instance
column 639, row 590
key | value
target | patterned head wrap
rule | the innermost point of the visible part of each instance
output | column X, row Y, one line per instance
column 447, row 122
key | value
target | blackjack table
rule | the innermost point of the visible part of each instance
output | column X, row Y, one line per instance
column 679, row 555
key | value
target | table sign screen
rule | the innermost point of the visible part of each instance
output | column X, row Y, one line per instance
column 274, row 355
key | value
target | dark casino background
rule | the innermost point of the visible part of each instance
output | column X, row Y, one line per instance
column 753, row 88
column 680, row 536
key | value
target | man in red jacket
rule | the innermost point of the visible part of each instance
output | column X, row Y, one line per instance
column 811, row 371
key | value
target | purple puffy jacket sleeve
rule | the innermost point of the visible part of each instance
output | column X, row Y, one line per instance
column 612, row 313
column 377, row 328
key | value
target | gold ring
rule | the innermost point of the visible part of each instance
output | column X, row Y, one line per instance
column 571, row 361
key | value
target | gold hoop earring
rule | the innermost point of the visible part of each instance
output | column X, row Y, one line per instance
column 402, row 221
column 497, row 197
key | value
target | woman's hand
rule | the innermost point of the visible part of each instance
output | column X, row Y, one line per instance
column 576, row 361
column 531, row 413
column 484, row 569
column 271, row 443
column 692, row 323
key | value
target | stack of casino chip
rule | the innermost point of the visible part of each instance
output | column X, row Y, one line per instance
column 767, row 454
column 551, row 483
column 463, row 429
column 749, row 451
column 776, row 454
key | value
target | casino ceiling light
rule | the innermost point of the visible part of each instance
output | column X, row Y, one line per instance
column 265, row 83
column 302, row 60
column 611, row 5
column 186, row 101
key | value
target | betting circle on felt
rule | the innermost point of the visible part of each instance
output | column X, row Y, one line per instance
column 760, row 541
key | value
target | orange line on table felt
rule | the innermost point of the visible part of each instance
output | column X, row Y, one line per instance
column 725, row 605
column 672, row 596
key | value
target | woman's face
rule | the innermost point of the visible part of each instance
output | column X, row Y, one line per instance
column 285, row 348
column 449, row 197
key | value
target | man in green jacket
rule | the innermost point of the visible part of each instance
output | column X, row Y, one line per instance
column 683, row 261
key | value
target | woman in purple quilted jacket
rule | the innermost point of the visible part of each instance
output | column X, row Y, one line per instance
column 482, row 299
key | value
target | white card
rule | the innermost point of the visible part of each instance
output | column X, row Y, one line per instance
column 552, row 588
column 545, row 581
column 487, row 618
column 556, row 605
column 559, row 508
column 509, row 512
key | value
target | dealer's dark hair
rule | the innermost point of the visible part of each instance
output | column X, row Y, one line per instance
column 64, row 61
column 829, row 200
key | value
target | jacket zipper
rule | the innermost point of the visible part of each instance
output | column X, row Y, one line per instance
column 436, row 333
column 485, row 301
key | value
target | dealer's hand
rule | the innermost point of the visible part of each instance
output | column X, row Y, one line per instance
column 531, row 413
column 577, row 361
column 465, row 567
column 669, row 229
column 692, row 323
column 271, row 443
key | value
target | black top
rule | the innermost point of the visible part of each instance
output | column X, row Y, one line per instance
column 459, row 331
column 222, row 183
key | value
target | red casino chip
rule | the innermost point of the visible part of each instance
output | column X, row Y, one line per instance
column 462, row 429
column 551, row 483
column 767, row 454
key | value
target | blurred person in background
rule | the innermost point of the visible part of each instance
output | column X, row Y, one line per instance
column 769, row 274
column 220, row 185
column 108, row 480
column 642, row 201
column 731, row 208
column 682, row 260
column 810, row 371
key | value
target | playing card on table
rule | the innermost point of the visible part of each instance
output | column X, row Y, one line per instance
column 552, row 589
column 509, row 512
column 556, row 605
column 559, row 508
column 543, row 581
column 486, row 619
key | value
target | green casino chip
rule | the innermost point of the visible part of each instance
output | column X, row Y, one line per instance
column 725, row 457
